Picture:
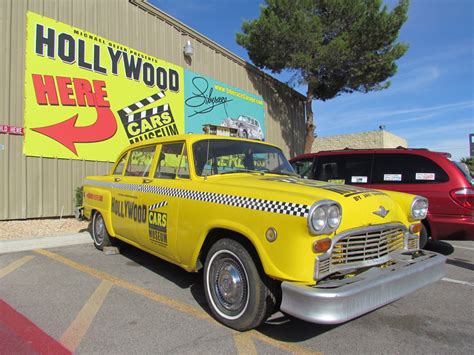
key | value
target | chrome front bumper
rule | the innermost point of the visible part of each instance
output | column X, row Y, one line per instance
column 338, row 301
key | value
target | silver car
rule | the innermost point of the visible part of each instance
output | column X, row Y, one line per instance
column 248, row 127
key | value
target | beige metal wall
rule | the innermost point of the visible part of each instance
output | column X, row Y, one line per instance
column 33, row 187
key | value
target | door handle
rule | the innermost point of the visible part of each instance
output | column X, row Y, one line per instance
column 117, row 179
column 146, row 181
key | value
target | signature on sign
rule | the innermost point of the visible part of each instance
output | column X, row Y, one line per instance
column 202, row 100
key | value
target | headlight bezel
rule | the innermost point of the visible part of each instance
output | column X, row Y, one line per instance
column 416, row 216
column 325, row 205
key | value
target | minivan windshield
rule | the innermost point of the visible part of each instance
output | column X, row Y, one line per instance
column 225, row 156
column 465, row 170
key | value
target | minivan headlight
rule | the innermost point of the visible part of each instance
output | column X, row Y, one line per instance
column 324, row 217
column 419, row 208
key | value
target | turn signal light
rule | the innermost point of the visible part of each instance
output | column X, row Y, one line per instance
column 415, row 228
column 321, row 246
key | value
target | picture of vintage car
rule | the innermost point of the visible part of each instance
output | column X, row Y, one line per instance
column 248, row 127
column 263, row 238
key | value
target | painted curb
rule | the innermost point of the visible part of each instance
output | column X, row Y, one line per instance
column 10, row 246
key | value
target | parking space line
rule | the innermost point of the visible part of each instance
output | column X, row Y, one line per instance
column 460, row 247
column 176, row 305
column 457, row 282
column 244, row 344
column 127, row 285
column 80, row 325
column 15, row 265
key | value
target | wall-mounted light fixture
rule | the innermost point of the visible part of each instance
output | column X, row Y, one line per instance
column 188, row 49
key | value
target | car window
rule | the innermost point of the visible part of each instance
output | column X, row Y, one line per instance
column 140, row 161
column 348, row 169
column 169, row 161
column 465, row 170
column 304, row 167
column 120, row 165
column 406, row 169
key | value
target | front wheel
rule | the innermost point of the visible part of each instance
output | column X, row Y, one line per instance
column 423, row 236
column 99, row 233
column 238, row 295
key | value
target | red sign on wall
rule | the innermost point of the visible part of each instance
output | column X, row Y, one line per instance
column 17, row 131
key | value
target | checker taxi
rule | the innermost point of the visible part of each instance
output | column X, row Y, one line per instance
column 264, row 238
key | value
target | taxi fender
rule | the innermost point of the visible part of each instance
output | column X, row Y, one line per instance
column 96, row 199
column 267, row 264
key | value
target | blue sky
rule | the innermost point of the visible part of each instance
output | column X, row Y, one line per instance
column 431, row 100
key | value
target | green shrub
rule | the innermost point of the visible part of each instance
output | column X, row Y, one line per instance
column 78, row 196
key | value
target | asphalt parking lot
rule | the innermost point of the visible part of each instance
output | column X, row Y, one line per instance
column 135, row 303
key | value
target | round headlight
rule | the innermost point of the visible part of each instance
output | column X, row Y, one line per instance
column 334, row 216
column 419, row 208
column 324, row 217
column 319, row 219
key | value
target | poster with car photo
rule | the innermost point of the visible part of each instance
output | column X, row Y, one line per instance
column 208, row 101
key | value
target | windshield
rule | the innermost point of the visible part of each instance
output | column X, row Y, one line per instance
column 465, row 170
column 224, row 156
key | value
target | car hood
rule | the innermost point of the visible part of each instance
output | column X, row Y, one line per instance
column 362, row 204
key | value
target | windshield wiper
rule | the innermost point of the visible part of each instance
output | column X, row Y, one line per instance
column 280, row 173
column 242, row 171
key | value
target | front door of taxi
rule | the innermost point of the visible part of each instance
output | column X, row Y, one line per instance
column 170, row 173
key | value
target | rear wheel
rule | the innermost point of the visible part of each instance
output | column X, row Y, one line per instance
column 99, row 233
column 238, row 294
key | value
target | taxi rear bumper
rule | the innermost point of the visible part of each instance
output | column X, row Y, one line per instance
column 338, row 301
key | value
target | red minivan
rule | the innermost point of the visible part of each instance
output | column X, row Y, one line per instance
column 447, row 185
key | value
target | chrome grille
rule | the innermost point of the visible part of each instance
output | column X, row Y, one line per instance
column 367, row 246
column 413, row 244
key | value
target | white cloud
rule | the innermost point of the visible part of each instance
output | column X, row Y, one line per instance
column 414, row 79
column 393, row 116
column 444, row 130
column 457, row 147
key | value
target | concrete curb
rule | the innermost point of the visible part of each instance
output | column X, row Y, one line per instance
column 10, row 246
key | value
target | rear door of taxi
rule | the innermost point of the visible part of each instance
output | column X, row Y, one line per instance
column 128, row 210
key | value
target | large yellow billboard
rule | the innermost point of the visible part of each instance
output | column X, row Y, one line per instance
column 87, row 97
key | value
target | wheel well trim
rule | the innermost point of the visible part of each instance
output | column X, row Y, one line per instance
column 238, row 232
column 107, row 219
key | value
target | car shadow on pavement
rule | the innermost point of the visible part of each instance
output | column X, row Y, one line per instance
column 279, row 326
column 439, row 246
column 286, row 328
column 160, row 267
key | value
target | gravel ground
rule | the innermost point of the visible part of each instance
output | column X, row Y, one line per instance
column 37, row 228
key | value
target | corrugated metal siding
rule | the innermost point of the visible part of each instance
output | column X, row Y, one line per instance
column 33, row 187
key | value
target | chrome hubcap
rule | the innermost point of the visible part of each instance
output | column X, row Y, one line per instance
column 99, row 229
column 230, row 284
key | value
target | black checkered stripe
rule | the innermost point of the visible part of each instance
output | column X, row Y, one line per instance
column 128, row 110
column 288, row 208
column 158, row 205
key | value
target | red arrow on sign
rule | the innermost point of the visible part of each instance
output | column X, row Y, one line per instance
column 68, row 134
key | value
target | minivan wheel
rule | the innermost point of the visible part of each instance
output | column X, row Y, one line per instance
column 99, row 233
column 236, row 292
column 423, row 236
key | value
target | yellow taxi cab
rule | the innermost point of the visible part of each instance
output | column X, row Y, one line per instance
column 264, row 238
